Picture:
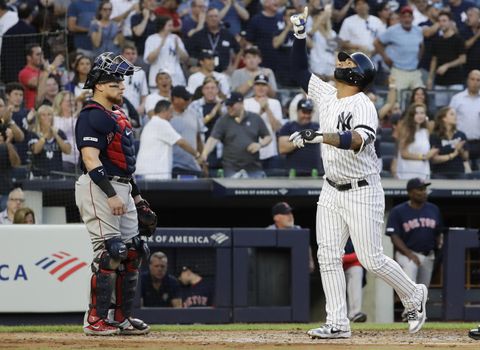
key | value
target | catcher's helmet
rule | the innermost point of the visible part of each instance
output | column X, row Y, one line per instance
column 108, row 67
column 361, row 75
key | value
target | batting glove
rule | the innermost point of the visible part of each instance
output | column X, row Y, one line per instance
column 300, row 138
column 299, row 22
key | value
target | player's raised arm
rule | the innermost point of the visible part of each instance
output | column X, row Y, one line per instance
column 343, row 140
column 299, row 60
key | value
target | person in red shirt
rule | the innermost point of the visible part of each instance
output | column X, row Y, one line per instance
column 34, row 75
column 169, row 8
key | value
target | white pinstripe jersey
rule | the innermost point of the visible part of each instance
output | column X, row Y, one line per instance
column 355, row 112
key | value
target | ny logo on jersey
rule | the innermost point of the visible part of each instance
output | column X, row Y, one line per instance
column 344, row 121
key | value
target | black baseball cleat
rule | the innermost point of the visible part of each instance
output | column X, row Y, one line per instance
column 474, row 333
column 133, row 326
column 359, row 317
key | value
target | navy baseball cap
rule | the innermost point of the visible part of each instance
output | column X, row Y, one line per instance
column 305, row 104
column 206, row 54
column 181, row 91
column 261, row 79
column 416, row 183
column 234, row 98
column 281, row 208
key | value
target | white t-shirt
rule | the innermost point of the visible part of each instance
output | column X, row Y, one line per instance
column 418, row 17
column 119, row 7
column 7, row 21
column 167, row 58
column 195, row 80
column 67, row 125
column 322, row 55
column 154, row 159
column 251, row 105
column 136, row 87
column 152, row 100
column 468, row 113
column 362, row 32
column 409, row 168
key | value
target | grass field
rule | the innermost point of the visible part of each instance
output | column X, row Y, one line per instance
column 367, row 336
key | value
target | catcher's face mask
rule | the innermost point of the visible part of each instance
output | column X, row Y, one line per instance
column 108, row 67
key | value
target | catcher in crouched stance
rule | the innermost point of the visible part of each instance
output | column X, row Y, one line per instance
column 109, row 201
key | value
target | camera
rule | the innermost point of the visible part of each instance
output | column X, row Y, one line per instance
column 3, row 130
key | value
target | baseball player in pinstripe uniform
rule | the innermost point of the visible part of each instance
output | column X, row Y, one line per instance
column 352, row 201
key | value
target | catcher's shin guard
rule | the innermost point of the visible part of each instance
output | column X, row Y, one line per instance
column 125, row 294
column 126, row 287
column 102, row 284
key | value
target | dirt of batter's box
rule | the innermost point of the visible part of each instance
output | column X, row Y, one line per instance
column 225, row 340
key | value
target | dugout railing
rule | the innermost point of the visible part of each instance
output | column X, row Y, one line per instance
column 258, row 275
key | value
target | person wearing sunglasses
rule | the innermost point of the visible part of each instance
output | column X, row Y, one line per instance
column 114, row 212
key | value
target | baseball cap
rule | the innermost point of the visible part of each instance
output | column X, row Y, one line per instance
column 181, row 91
column 281, row 208
column 234, row 98
column 162, row 71
column 416, row 183
column 192, row 268
column 261, row 79
column 252, row 50
column 306, row 104
column 406, row 9
column 206, row 54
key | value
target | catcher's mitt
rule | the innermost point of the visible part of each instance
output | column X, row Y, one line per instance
column 147, row 219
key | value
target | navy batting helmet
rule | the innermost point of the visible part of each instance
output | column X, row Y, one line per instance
column 361, row 75
column 108, row 67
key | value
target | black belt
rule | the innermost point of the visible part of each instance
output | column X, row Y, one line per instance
column 346, row 187
column 425, row 253
column 123, row 180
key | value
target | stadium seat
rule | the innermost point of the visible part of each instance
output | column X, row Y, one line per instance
column 386, row 135
column 387, row 162
column 19, row 174
column 387, row 149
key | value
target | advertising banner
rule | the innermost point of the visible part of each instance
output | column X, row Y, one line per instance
column 44, row 268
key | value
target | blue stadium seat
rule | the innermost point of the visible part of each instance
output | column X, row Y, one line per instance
column 386, row 134
column 387, row 162
column 20, row 173
column 388, row 149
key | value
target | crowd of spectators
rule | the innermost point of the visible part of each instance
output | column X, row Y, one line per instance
column 215, row 97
